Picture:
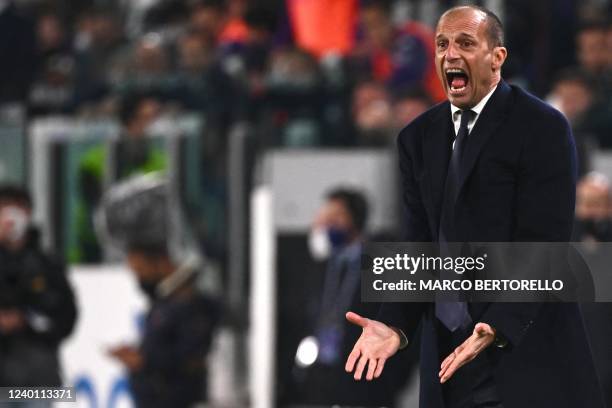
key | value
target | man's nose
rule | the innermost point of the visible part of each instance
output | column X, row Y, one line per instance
column 452, row 52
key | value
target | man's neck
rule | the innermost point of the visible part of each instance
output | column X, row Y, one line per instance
column 478, row 106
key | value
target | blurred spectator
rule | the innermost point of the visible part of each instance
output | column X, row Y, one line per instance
column 407, row 105
column 54, row 85
column 145, row 69
column 37, row 308
column 51, row 35
column 592, row 49
column 373, row 115
column 247, row 59
column 573, row 94
column 337, row 236
column 98, row 41
column 215, row 21
column 17, row 53
column 291, row 105
column 133, row 153
column 593, row 209
column 165, row 16
column 401, row 57
column 594, row 58
column 201, row 85
column 593, row 227
column 168, row 368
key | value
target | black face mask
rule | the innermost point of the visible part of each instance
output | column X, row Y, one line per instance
column 601, row 230
column 149, row 288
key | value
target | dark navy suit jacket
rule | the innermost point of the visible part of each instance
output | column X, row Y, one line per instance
column 517, row 184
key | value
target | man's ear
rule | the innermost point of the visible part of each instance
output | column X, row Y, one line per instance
column 499, row 56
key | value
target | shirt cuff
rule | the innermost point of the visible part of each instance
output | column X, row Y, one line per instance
column 402, row 336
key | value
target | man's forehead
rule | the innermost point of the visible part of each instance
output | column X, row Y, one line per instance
column 465, row 19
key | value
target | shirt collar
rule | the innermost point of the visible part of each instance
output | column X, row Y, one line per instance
column 479, row 106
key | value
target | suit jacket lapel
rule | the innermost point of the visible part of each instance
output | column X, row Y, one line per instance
column 436, row 154
column 489, row 120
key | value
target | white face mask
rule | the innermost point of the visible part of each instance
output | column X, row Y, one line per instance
column 16, row 221
column 318, row 244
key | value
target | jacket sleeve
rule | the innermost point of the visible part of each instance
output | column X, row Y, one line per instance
column 544, row 210
column 55, row 305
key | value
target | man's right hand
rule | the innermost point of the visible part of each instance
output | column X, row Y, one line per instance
column 376, row 344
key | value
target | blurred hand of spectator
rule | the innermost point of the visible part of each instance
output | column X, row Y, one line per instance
column 128, row 356
column 11, row 321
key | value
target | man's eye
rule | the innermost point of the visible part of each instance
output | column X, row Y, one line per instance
column 441, row 44
column 468, row 43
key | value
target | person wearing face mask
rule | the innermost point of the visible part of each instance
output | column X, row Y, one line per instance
column 37, row 307
column 168, row 366
column 336, row 238
column 593, row 209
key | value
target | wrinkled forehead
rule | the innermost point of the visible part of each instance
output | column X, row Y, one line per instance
column 463, row 20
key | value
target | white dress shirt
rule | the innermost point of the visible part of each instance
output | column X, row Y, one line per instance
column 456, row 115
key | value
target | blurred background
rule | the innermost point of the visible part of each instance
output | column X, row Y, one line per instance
column 191, row 181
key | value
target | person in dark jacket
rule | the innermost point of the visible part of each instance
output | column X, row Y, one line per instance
column 491, row 164
column 37, row 307
column 168, row 368
column 337, row 235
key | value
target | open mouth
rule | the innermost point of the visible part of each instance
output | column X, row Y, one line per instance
column 457, row 79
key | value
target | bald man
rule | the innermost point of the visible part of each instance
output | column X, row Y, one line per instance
column 491, row 164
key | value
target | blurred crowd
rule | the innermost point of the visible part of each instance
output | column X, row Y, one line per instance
column 365, row 72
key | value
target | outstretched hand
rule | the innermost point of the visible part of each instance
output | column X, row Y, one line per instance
column 481, row 338
column 376, row 344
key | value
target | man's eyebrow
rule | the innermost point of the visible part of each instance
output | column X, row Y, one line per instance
column 460, row 35
column 466, row 35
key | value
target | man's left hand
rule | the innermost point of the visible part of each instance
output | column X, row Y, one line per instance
column 481, row 338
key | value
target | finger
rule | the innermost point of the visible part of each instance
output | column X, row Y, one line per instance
column 379, row 367
column 352, row 358
column 447, row 361
column 483, row 328
column 371, row 368
column 356, row 319
column 457, row 363
column 448, row 373
column 360, row 366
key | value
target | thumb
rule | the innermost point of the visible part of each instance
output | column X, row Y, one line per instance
column 356, row 319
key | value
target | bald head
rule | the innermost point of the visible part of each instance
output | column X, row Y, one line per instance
column 494, row 29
